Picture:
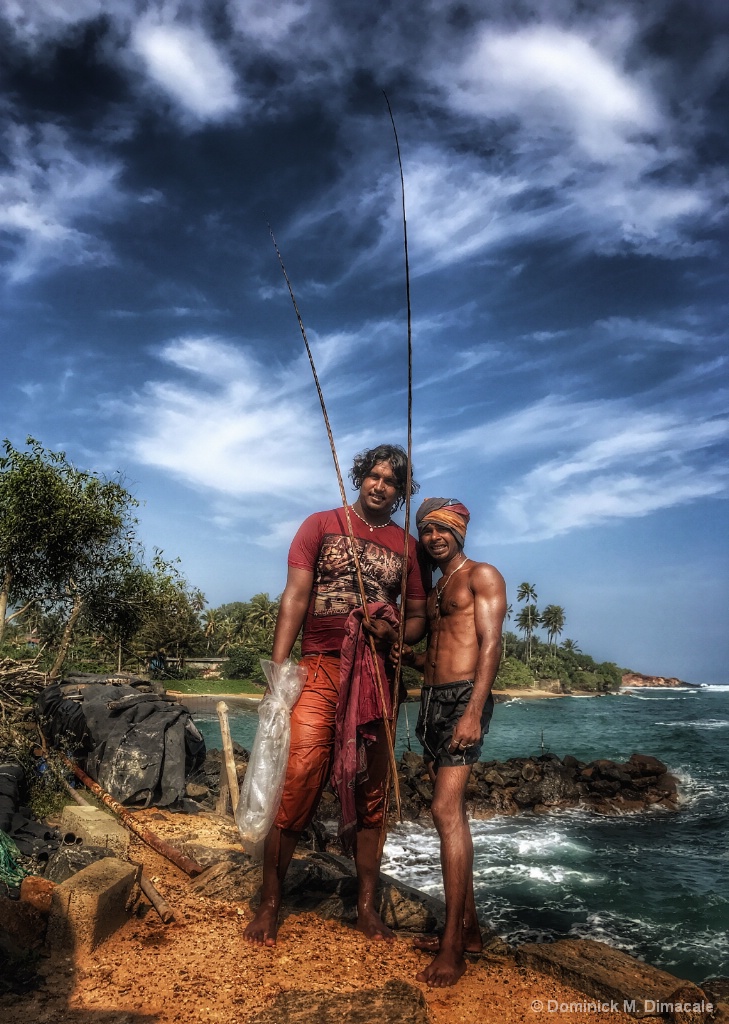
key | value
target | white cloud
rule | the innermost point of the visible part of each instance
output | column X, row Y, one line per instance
column 51, row 186
column 554, row 79
column 613, row 461
column 232, row 428
column 188, row 67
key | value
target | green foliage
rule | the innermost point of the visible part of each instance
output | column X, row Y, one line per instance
column 242, row 663
column 513, row 673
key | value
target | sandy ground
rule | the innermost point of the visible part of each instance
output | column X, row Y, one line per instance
column 199, row 969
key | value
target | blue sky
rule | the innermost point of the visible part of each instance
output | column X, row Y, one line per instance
column 566, row 183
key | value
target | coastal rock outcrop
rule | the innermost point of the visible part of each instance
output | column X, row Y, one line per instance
column 535, row 785
column 617, row 979
column 545, row 783
column 638, row 679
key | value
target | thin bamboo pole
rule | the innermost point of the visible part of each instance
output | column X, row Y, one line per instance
column 409, row 483
column 355, row 555
column 222, row 709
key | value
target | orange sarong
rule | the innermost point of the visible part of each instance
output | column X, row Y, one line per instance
column 313, row 722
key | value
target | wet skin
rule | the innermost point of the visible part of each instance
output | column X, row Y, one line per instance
column 465, row 617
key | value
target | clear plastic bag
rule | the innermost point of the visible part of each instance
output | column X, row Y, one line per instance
column 263, row 784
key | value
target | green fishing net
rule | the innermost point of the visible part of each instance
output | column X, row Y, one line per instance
column 11, row 873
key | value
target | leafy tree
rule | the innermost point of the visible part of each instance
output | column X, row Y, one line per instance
column 63, row 534
column 513, row 673
column 170, row 614
column 509, row 644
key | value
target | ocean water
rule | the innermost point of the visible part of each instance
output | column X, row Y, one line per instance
column 654, row 884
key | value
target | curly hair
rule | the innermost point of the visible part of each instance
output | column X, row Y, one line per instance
column 398, row 459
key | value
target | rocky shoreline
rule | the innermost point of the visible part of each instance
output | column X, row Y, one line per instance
column 547, row 783
column 521, row 785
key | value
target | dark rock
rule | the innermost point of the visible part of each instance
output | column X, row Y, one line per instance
column 648, row 765
column 605, row 786
column 423, row 789
column 717, row 989
column 396, row 1002
column 667, row 784
column 570, row 762
column 67, row 860
column 687, row 1005
column 228, row 880
column 529, row 771
column 528, row 794
column 412, row 760
column 410, row 810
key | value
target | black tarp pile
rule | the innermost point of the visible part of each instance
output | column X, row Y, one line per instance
column 28, row 838
column 140, row 747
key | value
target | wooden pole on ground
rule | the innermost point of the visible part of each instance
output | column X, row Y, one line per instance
column 159, row 903
column 222, row 709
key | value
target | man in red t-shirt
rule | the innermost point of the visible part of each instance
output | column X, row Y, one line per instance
column 321, row 590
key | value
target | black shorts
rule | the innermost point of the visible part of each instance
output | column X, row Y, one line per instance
column 440, row 709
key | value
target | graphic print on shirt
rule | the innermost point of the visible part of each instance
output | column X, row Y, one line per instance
column 335, row 584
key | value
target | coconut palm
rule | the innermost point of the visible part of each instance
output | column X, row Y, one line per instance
column 552, row 618
column 570, row 646
column 509, row 611
column 211, row 625
column 262, row 611
column 527, row 620
column 527, row 592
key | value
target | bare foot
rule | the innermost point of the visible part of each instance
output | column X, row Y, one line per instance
column 263, row 929
column 373, row 927
column 472, row 941
column 444, row 970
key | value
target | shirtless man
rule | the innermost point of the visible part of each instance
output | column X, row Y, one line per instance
column 465, row 612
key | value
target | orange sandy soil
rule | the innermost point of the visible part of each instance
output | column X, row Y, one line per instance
column 199, row 970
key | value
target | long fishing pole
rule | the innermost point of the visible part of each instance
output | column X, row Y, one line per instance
column 350, row 530
column 409, row 480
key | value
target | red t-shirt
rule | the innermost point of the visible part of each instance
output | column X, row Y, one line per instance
column 322, row 546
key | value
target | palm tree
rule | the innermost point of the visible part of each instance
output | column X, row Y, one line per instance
column 262, row 611
column 509, row 612
column 527, row 592
column 552, row 618
column 211, row 623
column 570, row 646
column 526, row 620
